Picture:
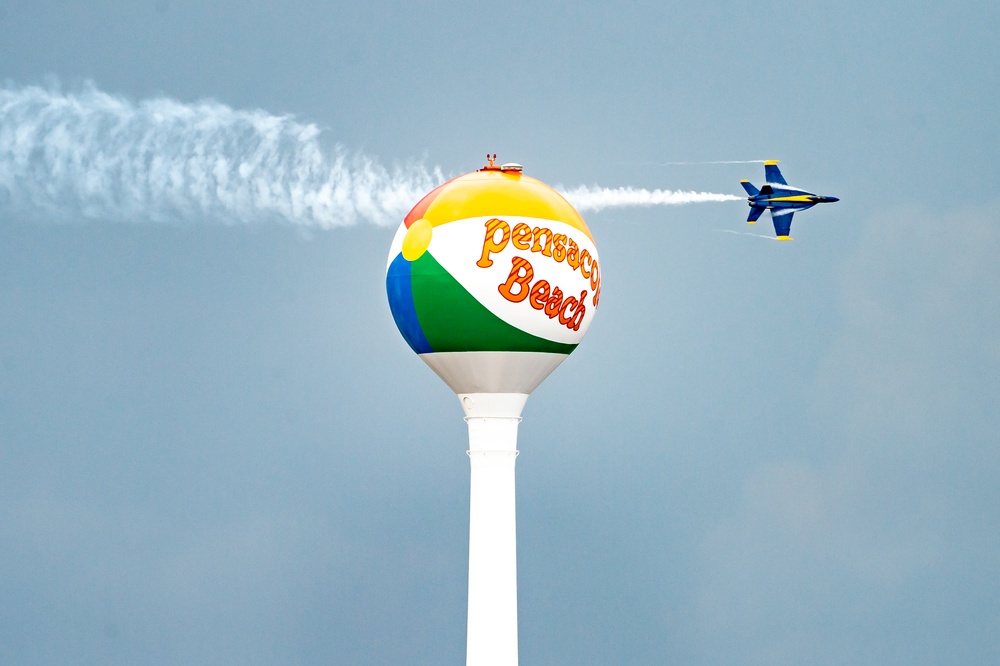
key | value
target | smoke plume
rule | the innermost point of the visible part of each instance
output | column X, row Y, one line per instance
column 67, row 155
column 713, row 162
column 599, row 198
column 96, row 155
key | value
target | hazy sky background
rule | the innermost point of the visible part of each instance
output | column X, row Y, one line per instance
column 215, row 447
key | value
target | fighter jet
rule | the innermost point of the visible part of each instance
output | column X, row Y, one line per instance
column 780, row 198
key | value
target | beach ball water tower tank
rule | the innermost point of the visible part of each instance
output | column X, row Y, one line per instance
column 493, row 279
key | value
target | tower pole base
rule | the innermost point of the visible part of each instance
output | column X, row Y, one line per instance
column 492, row 628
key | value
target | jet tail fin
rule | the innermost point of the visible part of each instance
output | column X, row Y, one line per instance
column 755, row 212
column 772, row 173
column 751, row 190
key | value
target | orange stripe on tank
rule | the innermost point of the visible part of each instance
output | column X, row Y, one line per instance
column 418, row 211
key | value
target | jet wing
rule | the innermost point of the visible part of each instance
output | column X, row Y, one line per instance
column 772, row 174
column 782, row 219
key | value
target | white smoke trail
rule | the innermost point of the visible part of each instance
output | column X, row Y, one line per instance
column 599, row 198
column 101, row 156
column 715, row 162
column 94, row 155
column 745, row 233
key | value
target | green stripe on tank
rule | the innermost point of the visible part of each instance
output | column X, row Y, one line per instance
column 454, row 321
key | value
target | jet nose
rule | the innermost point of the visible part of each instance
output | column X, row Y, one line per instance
column 830, row 199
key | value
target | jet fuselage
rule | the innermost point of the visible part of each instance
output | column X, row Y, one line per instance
column 780, row 198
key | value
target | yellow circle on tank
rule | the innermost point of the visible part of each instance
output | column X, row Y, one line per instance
column 416, row 240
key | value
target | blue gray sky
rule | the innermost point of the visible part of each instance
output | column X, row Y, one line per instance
column 215, row 448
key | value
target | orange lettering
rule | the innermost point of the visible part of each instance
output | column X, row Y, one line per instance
column 584, row 256
column 559, row 247
column 520, row 275
column 521, row 236
column 539, row 294
column 554, row 303
column 537, row 247
column 573, row 254
column 569, row 304
column 581, row 309
column 490, row 244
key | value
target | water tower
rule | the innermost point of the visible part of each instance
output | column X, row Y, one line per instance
column 493, row 280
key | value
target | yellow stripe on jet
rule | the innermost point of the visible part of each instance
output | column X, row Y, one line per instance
column 797, row 197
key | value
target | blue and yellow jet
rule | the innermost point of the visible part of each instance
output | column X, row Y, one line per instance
column 780, row 198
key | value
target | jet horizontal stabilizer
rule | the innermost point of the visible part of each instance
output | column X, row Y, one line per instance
column 748, row 186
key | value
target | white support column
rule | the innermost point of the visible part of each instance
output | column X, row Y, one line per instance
column 492, row 628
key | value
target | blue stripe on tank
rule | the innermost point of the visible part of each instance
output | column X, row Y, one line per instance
column 397, row 286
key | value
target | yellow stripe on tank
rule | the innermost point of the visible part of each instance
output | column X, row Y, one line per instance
column 500, row 193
